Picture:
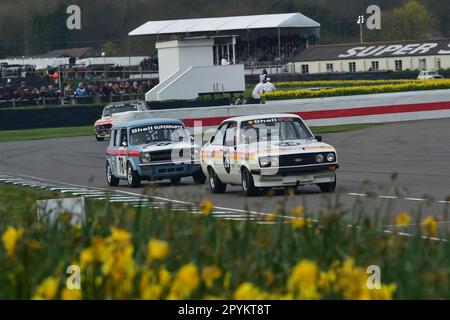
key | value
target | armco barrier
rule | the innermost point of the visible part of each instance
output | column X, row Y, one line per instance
column 375, row 108
column 51, row 117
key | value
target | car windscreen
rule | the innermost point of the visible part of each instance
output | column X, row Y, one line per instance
column 113, row 109
column 158, row 133
column 274, row 129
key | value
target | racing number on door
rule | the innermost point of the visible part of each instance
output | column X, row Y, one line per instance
column 227, row 160
column 122, row 166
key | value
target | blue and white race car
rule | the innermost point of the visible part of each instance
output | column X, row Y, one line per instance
column 152, row 149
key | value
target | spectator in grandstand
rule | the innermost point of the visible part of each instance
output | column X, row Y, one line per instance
column 240, row 101
column 268, row 86
column 257, row 92
column 135, row 88
column 68, row 91
column 81, row 90
column 225, row 61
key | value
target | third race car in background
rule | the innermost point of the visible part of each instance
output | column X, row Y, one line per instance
column 103, row 126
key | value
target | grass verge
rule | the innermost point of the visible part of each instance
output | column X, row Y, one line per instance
column 47, row 133
column 142, row 253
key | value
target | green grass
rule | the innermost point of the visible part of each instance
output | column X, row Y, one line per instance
column 49, row 133
column 245, row 252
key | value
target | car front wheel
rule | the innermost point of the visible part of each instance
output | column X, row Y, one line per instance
column 248, row 184
column 134, row 180
column 110, row 179
column 216, row 185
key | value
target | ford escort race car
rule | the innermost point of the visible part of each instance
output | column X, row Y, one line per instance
column 152, row 149
column 103, row 126
column 268, row 151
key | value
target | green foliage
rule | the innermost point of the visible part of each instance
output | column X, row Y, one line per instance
column 264, row 255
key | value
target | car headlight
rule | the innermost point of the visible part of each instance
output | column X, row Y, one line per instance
column 275, row 162
column 320, row 158
column 264, row 162
column 331, row 157
column 145, row 157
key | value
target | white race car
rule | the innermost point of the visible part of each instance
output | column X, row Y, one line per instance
column 268, row 151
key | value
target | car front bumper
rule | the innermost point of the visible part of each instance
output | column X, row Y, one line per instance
column 167, row 171
column 297, row 176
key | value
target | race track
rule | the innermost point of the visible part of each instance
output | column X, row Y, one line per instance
column 418, row 152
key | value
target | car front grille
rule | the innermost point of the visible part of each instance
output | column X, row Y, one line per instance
column 166, row 155
column 292, row 160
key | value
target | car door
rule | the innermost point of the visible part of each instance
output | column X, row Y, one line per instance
column 217, row 150
column 121, row 154
column 230, row 158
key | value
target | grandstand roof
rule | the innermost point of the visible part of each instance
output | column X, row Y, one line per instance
column 267, row 21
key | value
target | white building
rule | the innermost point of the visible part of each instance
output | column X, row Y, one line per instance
column 380, row 56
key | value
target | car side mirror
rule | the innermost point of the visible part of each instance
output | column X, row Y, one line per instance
column 319, row 138
column 212, row 140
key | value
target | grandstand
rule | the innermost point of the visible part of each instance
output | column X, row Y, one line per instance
column 254, row 40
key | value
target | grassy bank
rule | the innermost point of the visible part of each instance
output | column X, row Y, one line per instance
column 48, row 133
column 142, row 253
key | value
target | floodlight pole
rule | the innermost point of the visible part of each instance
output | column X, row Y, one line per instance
column 361, row 32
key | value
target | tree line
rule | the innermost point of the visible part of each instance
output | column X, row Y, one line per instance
column 39, row 26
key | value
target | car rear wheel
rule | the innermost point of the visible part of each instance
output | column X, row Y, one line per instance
column 199, row 177
column 176, row 180
column 328, row 187
column 110, row 179
column 216, row 185
column 134, row 180
column 248, row 184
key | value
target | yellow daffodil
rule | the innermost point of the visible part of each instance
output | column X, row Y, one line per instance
column 429, row 226
column 248, row 291
column 298, row 211
column 303, row 280
column 186, row 281
column 10, row 238
column 211, row 274
column 298, row 223
column 157, row 250
column 207, row 207
column 402, row 219
column 47, row 290
column 67, row 294
column 271, row 217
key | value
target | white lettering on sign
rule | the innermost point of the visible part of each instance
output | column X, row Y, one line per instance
column 374, row 20
column 445, row 51
column 406, row 49
column 74, row 20
column 394, row 50
column 351, row 52
column 389, row 49
column 424, row 48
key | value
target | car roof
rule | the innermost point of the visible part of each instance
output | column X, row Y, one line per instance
column 152, row 122
column 263, row 116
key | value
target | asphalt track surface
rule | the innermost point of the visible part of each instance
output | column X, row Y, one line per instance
column 417, row 152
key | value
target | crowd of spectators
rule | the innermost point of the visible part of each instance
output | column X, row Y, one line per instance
column 265, row 49
column 9, row 92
